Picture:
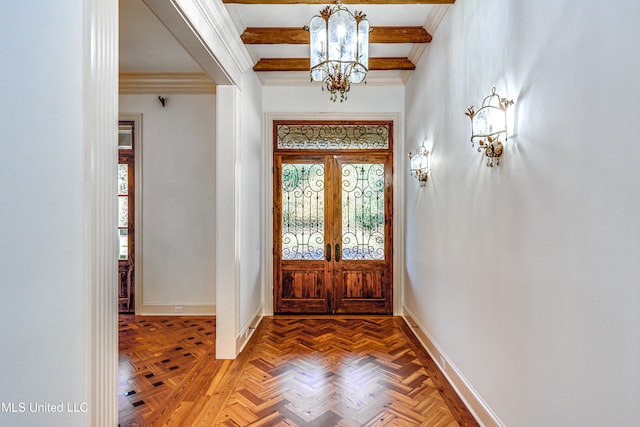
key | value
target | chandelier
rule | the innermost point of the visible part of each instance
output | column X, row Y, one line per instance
column 339, row 49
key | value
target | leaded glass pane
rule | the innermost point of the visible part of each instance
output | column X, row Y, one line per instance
column 123, row 179
column 302, row 211
column 332, row 137
column 124, row 243
column 123, row 211
column 363, row 212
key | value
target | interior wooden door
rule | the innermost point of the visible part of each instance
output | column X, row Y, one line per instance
column 333, row 233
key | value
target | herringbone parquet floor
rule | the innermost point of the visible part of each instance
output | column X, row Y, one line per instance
column 321, row 371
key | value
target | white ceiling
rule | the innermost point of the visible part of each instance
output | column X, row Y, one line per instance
column 146, row 46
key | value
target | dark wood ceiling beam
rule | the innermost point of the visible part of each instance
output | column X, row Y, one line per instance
column 302, row 64
column 399, row 35
column 345, row 1
column 380, row 64
column 275, row 35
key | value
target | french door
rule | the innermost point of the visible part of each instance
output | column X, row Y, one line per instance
column 333, row 232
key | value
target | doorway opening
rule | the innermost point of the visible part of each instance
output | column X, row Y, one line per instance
column 126, row 216
column 333, row 217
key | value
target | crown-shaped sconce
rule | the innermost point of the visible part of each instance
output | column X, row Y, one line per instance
column 489, row 126
column 420, row 164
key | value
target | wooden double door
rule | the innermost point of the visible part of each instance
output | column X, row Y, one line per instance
column 333, row 233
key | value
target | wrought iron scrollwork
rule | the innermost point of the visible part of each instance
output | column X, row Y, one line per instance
column 302, row 211
column 363, row 212
column 332, row 136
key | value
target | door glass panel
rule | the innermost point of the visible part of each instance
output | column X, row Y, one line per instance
column 123, row 211
column 303, row 211
column 363, row 211
column 123, row 179
column 124, row 243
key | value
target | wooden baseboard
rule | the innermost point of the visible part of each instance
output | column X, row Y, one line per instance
column 478, row 407
column 177, row 310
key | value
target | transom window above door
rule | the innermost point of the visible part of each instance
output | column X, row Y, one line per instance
column 313, row 135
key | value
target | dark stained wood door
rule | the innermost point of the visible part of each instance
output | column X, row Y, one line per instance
column 333, row 233
column 302, row 250
column 362, row 227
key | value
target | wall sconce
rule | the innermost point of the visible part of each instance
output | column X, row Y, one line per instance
column 420, row 164
column 488, row 124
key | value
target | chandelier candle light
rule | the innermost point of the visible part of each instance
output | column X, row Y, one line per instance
column 339, row 49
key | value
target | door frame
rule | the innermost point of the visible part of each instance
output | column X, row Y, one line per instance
column 136, row 118
column 397, row 203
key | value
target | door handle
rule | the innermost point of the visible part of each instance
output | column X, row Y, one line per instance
column 337, row 252
column 328, row 252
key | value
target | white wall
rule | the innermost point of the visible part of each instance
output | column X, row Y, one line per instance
column 239, row 223
column 526, row 275
column 42, row 306
column 312, row 99
column 178, row 202
column 56, row 261
column 251, row 212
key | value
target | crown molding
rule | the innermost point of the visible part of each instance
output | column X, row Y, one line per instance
column 431, row 24
column 436, row 15
column 206, row 31
column 166, row 83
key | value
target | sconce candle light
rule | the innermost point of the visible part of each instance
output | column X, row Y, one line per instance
column 420, row 164
column 488, row 124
